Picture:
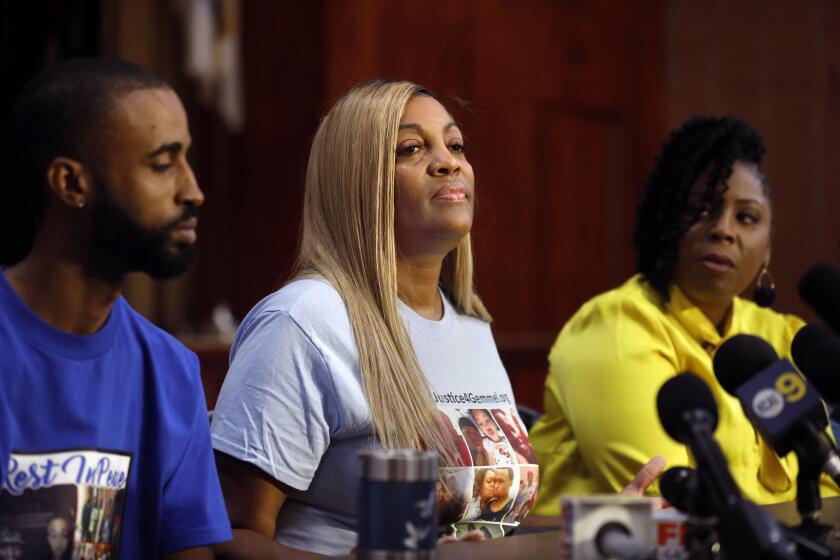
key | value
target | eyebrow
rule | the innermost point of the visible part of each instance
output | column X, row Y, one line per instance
column 755, row 201
column 172, row 147
column 419, row 128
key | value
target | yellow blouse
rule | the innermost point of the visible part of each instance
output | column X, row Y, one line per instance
column 605, row 369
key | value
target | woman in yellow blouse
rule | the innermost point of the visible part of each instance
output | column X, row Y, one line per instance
column 702, row 237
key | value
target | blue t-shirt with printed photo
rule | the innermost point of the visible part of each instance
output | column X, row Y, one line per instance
column 104, row 439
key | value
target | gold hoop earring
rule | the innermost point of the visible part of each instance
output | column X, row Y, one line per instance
column 765, row 288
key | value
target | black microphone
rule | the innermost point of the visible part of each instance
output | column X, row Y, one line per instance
column 681, row 487
column 785, row 409
column 806, row 338
column 783, row 406
column 820, row 288
column 822, row 368
column 688, row 413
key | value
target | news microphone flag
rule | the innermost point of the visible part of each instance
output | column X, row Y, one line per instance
column 779, row 400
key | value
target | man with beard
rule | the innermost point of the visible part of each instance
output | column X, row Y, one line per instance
column 96, row 396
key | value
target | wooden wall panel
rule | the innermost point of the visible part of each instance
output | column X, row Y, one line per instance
column 580, row 218
column 775, row 63
column 569, row 102
column 257, row 206
column 563, row 101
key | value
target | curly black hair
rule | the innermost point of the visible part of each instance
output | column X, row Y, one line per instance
column 60, row 112
column 704, row 147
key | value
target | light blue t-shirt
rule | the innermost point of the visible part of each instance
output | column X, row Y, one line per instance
column 293, row 405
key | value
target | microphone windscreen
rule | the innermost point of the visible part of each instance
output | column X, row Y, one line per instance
column 820, row 288
column 822, row 368
column 804, row 342
column 678, row 485
column 678, row 399
column 681, row 487
column 739, row 358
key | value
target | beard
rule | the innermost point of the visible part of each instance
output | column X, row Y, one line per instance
column 132, row 247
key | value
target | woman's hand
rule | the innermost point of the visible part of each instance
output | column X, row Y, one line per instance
column 644, row 478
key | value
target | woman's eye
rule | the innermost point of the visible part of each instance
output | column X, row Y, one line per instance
column 161, row 167
column 411, row 149
column 747, row 218
column 458, row 147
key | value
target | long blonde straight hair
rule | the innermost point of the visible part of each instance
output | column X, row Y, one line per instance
column 348, row 238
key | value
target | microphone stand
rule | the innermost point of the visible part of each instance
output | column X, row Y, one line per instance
column 745, row 531
column 810, row 535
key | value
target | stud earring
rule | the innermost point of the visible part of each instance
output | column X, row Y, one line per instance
column 765, row 288
column 80, row 204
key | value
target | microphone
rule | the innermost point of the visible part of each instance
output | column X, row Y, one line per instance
column 688, row 414
column 820, row 288
column 782, row 405
column 785, row 409
column 606, row 527
column 821, row 369
column 614, row 540
column 625, row 527
column 804, row 341
column 681, row 487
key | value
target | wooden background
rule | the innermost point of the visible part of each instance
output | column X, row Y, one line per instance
column 568, row 102
column 564, row 115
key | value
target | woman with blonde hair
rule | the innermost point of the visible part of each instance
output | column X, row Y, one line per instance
column 380, row 326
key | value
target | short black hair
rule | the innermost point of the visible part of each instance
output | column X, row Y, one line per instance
column 59, row 112
column 701, row 146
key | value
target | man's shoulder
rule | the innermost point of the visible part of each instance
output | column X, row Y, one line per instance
column 147, row 333
column 176, row 363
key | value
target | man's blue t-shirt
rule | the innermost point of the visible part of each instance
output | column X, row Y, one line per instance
column 103, row 438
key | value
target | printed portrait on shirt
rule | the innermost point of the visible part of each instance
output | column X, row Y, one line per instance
column 517, row 436
column 526, row 495
column 457, row 438
column 454, row 492
column 26, row 522
column 494, row 440
column 485, row 492
column 65, row 504
column 479, row 455
column 496, row 488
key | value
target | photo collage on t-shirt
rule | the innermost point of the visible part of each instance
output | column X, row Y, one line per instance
column 497, row 485
column 63, row 504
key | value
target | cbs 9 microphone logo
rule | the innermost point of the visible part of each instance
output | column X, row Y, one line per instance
column 788, row 388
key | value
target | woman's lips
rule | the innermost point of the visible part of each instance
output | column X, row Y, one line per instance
column 717, row 263
column 452, row 193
